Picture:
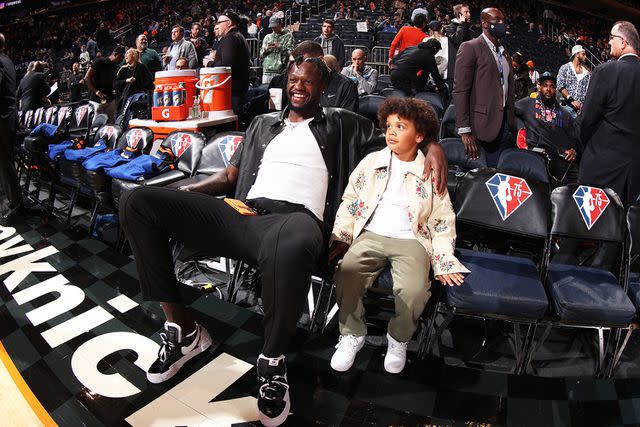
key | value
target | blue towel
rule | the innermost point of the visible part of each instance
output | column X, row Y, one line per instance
column 138, row 168
column 44, row 129
column 57, row 149
column 109, row 159
column 84, row 153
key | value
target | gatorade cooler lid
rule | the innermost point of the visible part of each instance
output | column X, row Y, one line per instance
column 215, row 70
column 176, row 73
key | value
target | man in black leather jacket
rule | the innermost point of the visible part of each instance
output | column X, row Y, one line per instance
column 341, row 91
column 291, row 171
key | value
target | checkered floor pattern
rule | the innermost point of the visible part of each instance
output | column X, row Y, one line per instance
column 463, row 387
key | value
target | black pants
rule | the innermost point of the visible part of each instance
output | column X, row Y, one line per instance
column 493, row 149
column 285, row 244
column 406, row 82
column 8, row 176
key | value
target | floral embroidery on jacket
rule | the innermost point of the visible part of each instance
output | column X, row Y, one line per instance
column 357, row 208
column 381, row 173
column 440, row 226
column 361, row 181
column 421, row 190
column 443, row 266
column 345, row 236
column 423, row 231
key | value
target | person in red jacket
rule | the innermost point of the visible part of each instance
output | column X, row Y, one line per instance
column 408, row 36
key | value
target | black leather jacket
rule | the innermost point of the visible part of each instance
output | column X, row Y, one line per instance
column 344, row 139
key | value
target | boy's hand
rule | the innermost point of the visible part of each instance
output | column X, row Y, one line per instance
column 451, row 279
column 337, row 251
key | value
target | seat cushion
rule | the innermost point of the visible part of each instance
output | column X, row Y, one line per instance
column 634, row 289
column 588, row 295
column 499, row 284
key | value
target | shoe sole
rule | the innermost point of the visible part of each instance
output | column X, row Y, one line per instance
column 352, row 362
column 173, row 369
column 274, row 422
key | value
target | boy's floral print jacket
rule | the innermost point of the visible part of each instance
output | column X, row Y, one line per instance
column 432, row 217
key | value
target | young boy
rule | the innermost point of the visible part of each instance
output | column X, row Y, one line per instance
column 390, row 215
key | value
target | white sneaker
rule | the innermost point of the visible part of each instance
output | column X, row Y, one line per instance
column 396, row 356
column 347, row 348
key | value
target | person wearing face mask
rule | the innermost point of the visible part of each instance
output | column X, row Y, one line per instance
column 483, row 90
column 550, row 129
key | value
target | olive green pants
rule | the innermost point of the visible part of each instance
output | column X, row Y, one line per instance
column 369, row 254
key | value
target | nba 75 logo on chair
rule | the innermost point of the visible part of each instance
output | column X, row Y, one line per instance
column 180, row 144
column 508, row 193
column 591, row 202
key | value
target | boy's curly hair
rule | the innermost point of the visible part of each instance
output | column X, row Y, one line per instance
column 419, row 112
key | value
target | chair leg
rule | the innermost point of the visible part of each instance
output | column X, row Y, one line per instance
column 94, row 217
column 233, row 281
column 448, row 317
column 425, row 334
column 327, row 307
column 526, row 346
column 517, row 346
column 619, row 350
column 72, row 203
column 604, row 348
column 318, row 304
column 535, row 347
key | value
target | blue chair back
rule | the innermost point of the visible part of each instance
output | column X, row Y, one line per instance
column 587, row 213
column 368, row 106
column 454, row 151
column 524, row 163
column 434, row 100
column 448, row 123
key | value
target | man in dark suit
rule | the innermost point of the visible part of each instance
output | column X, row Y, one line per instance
column 33, row 89
column 609, row 126
column 483, row 90
column 8, row 121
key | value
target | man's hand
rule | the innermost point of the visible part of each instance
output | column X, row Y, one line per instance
column 337, row 251
column 436, row 161
column 470, row 146
column 577, row 105
column 101, row 95
column 451, row 279
column 570, row 155
column 131, row 80
column 166, row 59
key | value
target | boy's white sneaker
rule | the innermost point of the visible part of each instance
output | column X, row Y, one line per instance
column 396, row 356
column 346, row 349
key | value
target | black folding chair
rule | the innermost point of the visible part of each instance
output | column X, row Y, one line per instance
column 586, row 297
column 71, row 172
column 508, row 219
column 633, row 274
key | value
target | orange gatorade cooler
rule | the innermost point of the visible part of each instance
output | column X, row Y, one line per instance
column 215, row 91
column 174, row 78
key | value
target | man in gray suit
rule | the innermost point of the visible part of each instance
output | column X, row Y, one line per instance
column 483, row 90
column 609, row 125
